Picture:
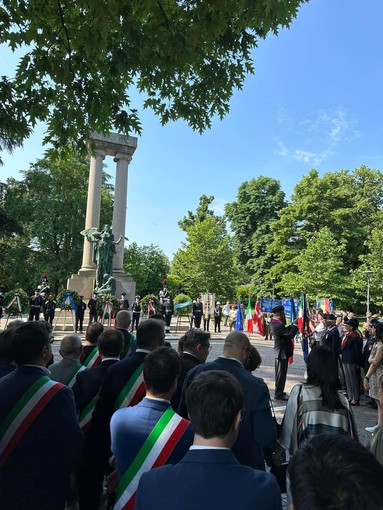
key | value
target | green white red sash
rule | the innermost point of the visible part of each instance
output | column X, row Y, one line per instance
column 154, row 453
column 24, row 414
column 72, row 378
column 128, row 348
column 93, row 360
column 133, row 392
column 85, row 418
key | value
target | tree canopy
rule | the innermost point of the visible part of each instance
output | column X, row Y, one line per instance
column 206, row 260
column 148, row 266
column 80, row 59
column 48, row 208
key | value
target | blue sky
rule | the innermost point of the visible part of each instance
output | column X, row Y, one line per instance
column 315, row 101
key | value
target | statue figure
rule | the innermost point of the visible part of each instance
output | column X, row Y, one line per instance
column 108, row 286
column 104, row 247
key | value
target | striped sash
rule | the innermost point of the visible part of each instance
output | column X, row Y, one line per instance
column 72, row 377
column 13, row 428
column 133, row 391
column 128, row 348
column 85, row 418
column 93, row 360
column 154, row 453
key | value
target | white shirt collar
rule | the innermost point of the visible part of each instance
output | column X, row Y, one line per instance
column 159, row 399
column 106, row 359
column 143, row 350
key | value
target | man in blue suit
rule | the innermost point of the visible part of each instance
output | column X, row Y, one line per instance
column 36, row 459
column 130, row 427
column 257, row 430
column 209, row 476
column 121, row 376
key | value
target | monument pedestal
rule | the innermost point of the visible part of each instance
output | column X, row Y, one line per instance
column 83, row 283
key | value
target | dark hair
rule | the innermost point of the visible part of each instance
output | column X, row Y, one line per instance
column 111, row 343
column 255, row 359
column 322, row 470
column 6, row 346
column 29, row 340
column 213, row 400
column 93, row 331
column 158, row 317
column 322, row 370
column 194, row 337
column 366, row 333
column 379, row 330
column 161, row 367
column 148, row 332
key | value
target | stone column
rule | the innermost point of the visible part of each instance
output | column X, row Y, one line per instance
column 93, row 206
column 119, row 208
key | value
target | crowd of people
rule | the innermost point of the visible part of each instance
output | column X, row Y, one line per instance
column 129, row 421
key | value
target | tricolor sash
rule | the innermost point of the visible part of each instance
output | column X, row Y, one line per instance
column 85, row 418
column 93, row 360
column 133, row 391
column 72, row 378
column 154, row 453
column 30, row 405
column 128, row 348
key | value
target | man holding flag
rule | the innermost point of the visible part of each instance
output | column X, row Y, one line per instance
column 283, row 348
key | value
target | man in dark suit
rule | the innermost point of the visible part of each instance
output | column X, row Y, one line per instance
column 209, row 476
column 331, row 336
column 123, row 323
column 283, row 348
column 257, row 430
column 131, row 427
column 86, row 390
column 196, row 347
column 35, row 473
column 197, row 312
column 123, row 386
column 91, row 341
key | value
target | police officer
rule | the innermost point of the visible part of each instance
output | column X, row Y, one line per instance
column 92, row 305
column 136, row 309
column 81, row 307
column 35, row 303
column 197, row 312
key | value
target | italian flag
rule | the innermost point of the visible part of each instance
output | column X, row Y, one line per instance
column 258, row 319
column 249, row 318
column 302, row 314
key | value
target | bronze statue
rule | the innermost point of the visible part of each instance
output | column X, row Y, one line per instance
column 108, row 286
column 104, row 247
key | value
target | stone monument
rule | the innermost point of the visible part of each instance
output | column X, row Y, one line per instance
column 106, row 246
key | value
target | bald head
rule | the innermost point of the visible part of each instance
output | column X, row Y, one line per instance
column 237, row 345
column 123, row 319
column 71, row 347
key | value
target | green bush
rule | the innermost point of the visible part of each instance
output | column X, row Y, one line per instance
column 182, row 298
column 144, row 303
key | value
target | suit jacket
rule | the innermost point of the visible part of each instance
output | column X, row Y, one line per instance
column 208, row 479
column 283, row 335
column 131, row 426
column 128, row 337
column 116, row 378
column 187, row 361
column 332, row 340
column 89, row 382
column 257, row 429
column 87, row 349
column 62, row 370
column 36, row 474
column 6, row 368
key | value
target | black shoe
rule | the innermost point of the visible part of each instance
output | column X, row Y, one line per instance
column 281, row 396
